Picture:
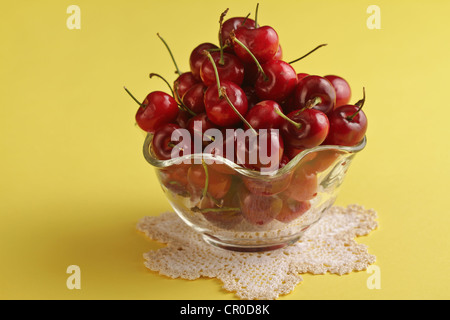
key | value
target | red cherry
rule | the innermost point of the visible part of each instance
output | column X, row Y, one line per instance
column 182, row 118
column 348, row 125
column 306, row 129
column 258, row 209
column 312, row 87
column 262, row 42
column 193, row 99
column 157, row 109
column 183, row 83
column 218, row 183
column 279, row 54
column 342, row 88
column 300, row 76
column 264, row 116
column 278, row 81
column 218, row 109
column 230, row 69
column 163, row 144
column 199, row 122
column 197, row 58
column 233, row 24
column 292, row 209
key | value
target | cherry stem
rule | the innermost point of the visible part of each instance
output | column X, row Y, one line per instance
column 256, row 16
column 285, row 117
column 222, row 16
column 205, row 167
column 311, row 103
column 245, row 19
column 171, row 55
column 233, row 38
column 181, row 105
column 304, row 56
column 360, row 104
column 151, row 75
column 216, row 73
column 227, row 209
column 137, row 101
column 222, row 92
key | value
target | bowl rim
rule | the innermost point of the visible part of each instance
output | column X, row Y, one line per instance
column 240, row 169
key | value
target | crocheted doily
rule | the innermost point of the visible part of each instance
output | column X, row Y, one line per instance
column 328, row 246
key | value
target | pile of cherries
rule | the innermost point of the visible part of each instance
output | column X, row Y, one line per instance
column 243, row 82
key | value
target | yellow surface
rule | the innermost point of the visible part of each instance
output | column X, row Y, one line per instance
column 73, row 181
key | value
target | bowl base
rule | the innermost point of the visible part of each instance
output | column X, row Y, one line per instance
column 249, row 247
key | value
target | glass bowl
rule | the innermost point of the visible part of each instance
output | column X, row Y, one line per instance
column 244, row 210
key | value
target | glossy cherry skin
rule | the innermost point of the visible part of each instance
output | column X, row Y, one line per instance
column 218, row 183
column 183, row 83
column 232, row 69
column 314, row 126
column 202, row 123
column 264, row 116
column 280, row 82
column 345, row 131
column 259, row 209
column 162, row 142
column 232, row 24
column 279, row 54
column 182, row 118
column 158, row 108
column 342, row 88
column 197, row 58
column 218, row 109
column 292, row 209
column 311, row 87
column 194, row 100
column 289, row 104
column 262, row 42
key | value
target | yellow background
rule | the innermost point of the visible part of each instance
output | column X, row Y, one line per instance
column 74, row 183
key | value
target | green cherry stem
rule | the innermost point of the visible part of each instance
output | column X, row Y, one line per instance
column 137, row 101
column 256, row 15
column 224, row 94
column 285, row 117
column 222, row 91
column 181, row 105
column 304, row 56
column 205, row 167
column 171, row 55
column 221, row 44
column 223, row 209
column 234, row 39
column 151, row 75
column 310, row 104
column 216, row 73
column 360, row 104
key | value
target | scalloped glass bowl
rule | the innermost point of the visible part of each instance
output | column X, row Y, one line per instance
column 258, row 212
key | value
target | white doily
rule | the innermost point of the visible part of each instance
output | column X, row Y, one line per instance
column 328, row 246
